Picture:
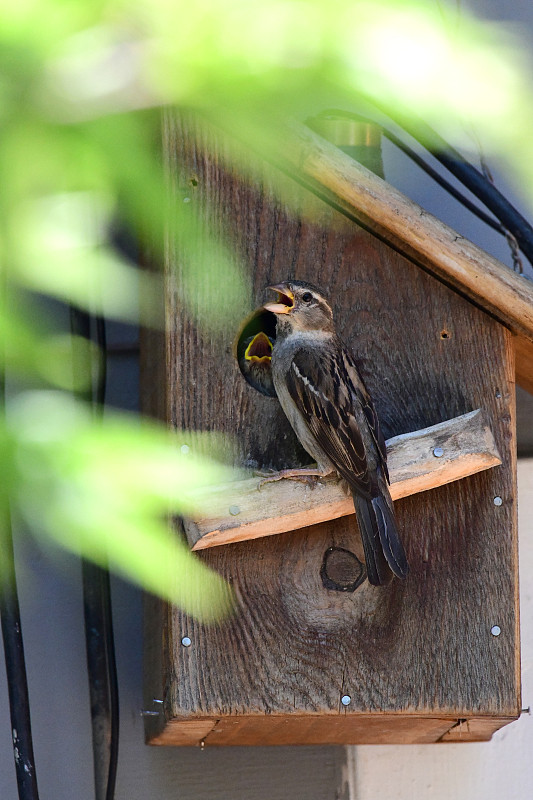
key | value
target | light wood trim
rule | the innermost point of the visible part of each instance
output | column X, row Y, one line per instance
column 476, row 729
column 414, row 232
column 286, row 505
column 341, row 728
column 524, row 363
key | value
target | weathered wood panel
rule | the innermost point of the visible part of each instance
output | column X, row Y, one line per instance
column 423, row 646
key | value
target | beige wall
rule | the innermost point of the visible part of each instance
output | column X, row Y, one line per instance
column 502, row 768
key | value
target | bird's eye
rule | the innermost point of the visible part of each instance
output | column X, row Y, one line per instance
column 307, row 297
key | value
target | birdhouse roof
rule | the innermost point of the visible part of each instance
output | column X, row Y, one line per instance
column 412, row 231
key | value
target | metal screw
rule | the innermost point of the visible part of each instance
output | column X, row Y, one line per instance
column 186, row 641
column 498, row 501
column 157, row 701
column 438, row 452
column 346, row 700
column 185, row 449
column 495, row 630
column 234, row 510
column 498, row 395
column 186, row 199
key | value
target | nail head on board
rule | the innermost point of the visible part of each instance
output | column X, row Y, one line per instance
column 346, row 700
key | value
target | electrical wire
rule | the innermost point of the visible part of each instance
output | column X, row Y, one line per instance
column 438, row 178
column 510, row 218
column 98, row 621
column 114, row 721
column 17, row 681
column 101, row 380
column 423, row 164
column 102, row 677
column 512, row 225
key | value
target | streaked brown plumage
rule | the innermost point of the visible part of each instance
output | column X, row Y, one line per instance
column 331, row 412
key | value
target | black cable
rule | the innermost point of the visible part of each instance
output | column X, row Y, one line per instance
column 17, row 684
column 17, row 681
column 515, row 228
column 421, row 162
column 99, row 638
column 101, row 381
column 114, row 698
column 105, row 589
column 102, row 677
column 470, row 176
column 438, row 178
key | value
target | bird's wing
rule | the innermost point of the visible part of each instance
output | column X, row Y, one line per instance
column 368, row 409
column 331, row 396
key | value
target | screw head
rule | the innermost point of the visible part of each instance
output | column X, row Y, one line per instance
column 234, row 510
column 438, row 452
column 186, row 641
column 185, row 449
column 346, row 700
column 495, row 630
column 498, row 501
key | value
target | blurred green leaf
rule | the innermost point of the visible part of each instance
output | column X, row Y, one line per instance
column 63, row 253
column 81, row 86
column 105, row 489
column 31, row 352
column 279, row 56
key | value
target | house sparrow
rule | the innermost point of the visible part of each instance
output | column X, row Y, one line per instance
column 331, row 412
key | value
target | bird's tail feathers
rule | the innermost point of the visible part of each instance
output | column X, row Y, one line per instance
column 383, row 549
column 389, row 538
column 376, row 565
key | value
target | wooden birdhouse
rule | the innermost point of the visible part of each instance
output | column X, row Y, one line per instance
column 314, row 654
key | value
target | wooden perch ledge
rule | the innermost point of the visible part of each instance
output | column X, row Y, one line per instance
column 417, row 462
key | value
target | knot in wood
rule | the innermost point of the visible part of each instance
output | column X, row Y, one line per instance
column 341, row 570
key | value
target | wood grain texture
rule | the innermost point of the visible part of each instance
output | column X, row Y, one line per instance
column 411, row 230
column 476, row 729
column 524, row 363
column 280, row 730
column 421, row 647
column 237, row 511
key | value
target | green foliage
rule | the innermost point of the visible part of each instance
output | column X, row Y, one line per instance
column 81, row 84
column 104, row 488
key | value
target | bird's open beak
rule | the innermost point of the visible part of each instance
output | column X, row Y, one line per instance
column 285, row 302
column 260, row 349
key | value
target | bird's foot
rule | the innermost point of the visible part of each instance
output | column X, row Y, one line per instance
column 309, row 476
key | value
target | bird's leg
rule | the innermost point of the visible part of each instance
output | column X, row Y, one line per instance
column 308, row 475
